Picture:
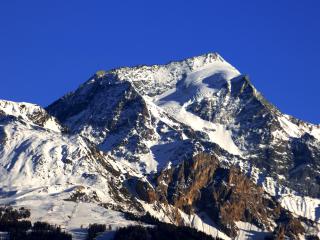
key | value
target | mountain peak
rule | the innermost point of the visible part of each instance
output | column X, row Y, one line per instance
column 155, row 79
column 206, row 58
column 198, row 61
column 172, row 70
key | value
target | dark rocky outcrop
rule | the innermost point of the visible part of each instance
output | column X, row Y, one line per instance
column 201, row 185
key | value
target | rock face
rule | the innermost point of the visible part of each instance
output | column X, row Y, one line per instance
column 192, row 142
column 143, row 190
column 201, row 185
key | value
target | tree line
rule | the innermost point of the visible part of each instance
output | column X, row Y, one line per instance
column 13, row 221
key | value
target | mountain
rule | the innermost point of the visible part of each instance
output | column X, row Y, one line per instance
column 191, row 142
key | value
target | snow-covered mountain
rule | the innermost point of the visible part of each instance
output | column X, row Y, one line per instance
column 186, row 141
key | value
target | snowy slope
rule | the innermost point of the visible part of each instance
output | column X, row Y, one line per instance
column 60, row 177
column 181, row 83
column 29, row 151
column 30, row 112
column 36, row 157
column 302, row 206
column 48, row 204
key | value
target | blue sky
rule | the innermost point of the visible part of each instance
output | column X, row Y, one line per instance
column 48, row 48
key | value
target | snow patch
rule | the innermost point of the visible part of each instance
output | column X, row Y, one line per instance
column 248, row 231
column 302, row 206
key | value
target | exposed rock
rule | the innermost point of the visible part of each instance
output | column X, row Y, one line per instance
column 226, row 195
column 143, row 190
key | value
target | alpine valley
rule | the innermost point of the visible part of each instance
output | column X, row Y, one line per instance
column 193, row 143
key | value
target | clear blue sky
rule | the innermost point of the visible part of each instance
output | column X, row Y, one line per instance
column 49, row 47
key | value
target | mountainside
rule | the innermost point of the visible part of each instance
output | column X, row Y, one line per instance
column 191, row 142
